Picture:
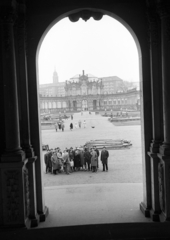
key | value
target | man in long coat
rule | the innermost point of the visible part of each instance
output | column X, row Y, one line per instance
column 94, row 160
column 47, row 160
column 97, row 151
column 104, row 158
column 56, row 162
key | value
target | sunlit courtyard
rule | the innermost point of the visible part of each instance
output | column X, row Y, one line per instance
column 125, row 165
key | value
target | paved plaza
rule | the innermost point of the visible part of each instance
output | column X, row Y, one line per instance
column 91, row 198
column 125, row 166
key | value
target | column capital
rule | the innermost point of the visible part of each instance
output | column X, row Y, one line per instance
column 165, row 149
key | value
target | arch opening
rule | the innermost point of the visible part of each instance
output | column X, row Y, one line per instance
column 117, row 100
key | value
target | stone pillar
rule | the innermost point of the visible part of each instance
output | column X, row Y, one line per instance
column 14, row 194
column 35, row 128
column 157, row 121
column 146, row 125
column 24, row 116
column 164, row 151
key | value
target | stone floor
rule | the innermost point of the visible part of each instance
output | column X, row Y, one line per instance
column 85, row 204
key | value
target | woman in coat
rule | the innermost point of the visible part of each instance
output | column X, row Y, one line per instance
column 94, row 160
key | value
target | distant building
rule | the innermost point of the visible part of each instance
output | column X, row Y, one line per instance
column 87, row 92
column 55, row 88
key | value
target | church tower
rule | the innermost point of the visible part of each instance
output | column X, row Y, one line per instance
column 55, row 77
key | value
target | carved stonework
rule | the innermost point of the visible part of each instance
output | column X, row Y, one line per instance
column 26, row 191
column 85, row 15
column 12, row 201
column 161, row 186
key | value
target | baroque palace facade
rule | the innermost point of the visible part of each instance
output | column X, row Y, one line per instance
column 87, row 92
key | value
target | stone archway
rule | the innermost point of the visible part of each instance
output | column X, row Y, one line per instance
column 30, row 124
column 85, row 14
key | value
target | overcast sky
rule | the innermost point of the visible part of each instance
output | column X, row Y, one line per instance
column 102, row 48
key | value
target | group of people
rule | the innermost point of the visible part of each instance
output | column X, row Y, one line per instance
column 72, row 160
column 78, row 124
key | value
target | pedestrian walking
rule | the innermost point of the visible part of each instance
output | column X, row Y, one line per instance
column 62, row 126
column 71, row 126
column 76, row 125
column 104, row 158
column 84, row 123
column 79, row 123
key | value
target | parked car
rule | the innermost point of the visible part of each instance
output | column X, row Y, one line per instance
column 45, row 147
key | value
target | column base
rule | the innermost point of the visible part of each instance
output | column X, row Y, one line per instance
column 163, row 218
column 145, row 210
column 31, row 223
column 155, row 216
column 43, row 216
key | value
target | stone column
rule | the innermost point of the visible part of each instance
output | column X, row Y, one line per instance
column 157, row 122
column 164, row 152
column 24, row 116
column 15, row 199
column 35, row 128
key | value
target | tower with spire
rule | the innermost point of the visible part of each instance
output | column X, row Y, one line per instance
column 55, row 76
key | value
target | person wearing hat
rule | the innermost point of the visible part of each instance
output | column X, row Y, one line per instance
column 104, row 159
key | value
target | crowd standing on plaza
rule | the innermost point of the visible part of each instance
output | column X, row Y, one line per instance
column 77, row 159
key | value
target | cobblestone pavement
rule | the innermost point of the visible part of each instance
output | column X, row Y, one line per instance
column 125, row 166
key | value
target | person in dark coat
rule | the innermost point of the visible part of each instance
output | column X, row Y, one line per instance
column 87, row 159
column 97, row 151
column 71, row 126
column 104, row 158
column 47, row 160
column 76, row 160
